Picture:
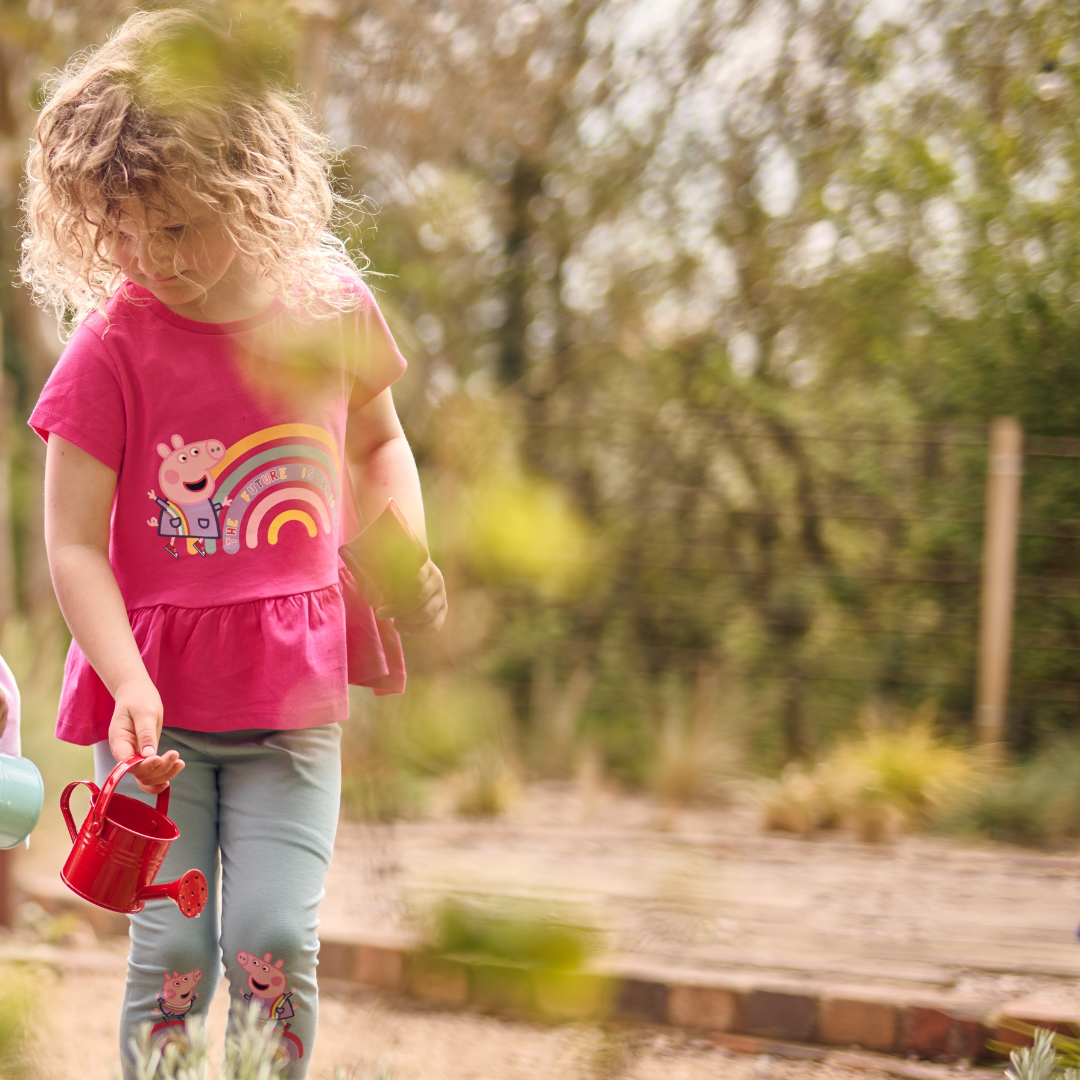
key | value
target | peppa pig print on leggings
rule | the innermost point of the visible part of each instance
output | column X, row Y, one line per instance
column 174, row 1004
column 267, row 987
column 178, row 994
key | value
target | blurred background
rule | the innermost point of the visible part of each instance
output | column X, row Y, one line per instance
column 708, row 306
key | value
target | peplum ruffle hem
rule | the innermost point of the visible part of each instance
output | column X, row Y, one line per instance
column 279, row 662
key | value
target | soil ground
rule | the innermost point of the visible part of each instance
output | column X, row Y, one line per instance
column 696, row 888
column 365, row 1036
column 707, row 889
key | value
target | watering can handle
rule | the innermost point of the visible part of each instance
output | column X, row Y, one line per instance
column 65, row 804
column 101, row 803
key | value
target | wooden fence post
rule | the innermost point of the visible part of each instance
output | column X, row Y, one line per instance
column 1005, row 466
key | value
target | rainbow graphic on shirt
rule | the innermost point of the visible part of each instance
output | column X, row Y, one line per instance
column 286, row 476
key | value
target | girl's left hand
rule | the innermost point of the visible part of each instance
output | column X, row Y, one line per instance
column 426, row 613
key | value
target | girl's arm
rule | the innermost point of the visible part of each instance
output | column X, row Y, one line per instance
column 382, row 467
column 79, row 493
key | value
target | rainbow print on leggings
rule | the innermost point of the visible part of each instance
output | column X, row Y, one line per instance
column 286, row 476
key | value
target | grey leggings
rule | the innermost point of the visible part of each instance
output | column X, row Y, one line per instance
column 257, row 811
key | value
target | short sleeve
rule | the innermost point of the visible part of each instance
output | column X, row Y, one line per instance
column 83, row 401
column 376, row 361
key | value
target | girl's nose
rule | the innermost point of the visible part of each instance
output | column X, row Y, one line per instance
column 152, row 264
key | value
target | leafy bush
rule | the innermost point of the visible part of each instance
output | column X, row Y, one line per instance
column 1035, row 803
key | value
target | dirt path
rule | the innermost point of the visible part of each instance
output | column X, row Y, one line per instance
column 367, row 1037
column 709, row 890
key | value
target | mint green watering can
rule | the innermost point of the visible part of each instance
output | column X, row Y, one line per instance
column 22, row 794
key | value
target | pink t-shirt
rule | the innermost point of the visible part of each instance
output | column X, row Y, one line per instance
column 232, row 500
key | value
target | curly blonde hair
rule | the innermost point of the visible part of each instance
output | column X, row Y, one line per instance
column 169, row 105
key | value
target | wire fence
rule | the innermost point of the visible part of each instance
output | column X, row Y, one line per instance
column 886, row 573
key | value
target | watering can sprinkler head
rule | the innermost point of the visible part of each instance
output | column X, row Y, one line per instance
column 188, row 893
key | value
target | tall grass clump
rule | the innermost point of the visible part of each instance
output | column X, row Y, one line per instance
column 252, row 1050
column 882, row 781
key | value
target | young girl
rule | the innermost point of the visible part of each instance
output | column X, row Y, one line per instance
column 222, row 402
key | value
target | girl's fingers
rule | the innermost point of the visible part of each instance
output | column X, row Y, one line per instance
column 431, row 591
column 424, row 613
column 427, row 620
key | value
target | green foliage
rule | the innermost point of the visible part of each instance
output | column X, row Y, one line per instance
column 517, row 933
column 1051, row 1056
column 879, row 782
column 687, row 384
column 527, row 532
column 911, row 769
column 442, row 721
column 1036, row 1062
column 1034, row 803
column 449, row 732
column 520, row 957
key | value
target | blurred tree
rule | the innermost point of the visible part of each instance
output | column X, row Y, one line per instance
column 707, row 304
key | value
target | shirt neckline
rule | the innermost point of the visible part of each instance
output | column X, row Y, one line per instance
column 147, row 299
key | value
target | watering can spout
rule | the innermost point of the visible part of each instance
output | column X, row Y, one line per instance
column 188, row 893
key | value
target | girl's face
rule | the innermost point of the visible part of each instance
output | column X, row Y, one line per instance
column 188, row 260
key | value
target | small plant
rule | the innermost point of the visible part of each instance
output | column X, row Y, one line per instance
column 486, row 786
column 1050, row 1057
column 517, row 933
column 800, row 802
column 521, row 958
column 878, row 783
column 252, row 1050
column 1035, row 1062
column 692, row 766
column 905, row 774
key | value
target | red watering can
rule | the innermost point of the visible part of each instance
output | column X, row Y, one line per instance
column 120, row 848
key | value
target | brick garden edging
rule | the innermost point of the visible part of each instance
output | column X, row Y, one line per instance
column 744, row 1011
column 761, row 1012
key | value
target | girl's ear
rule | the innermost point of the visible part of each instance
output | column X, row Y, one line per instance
column 163, row 450
column 177, row 442
column 280, row 964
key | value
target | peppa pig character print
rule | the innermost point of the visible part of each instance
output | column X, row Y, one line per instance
column 178, row 994
column 187, row 485
column 266, row 983
column 267, row 987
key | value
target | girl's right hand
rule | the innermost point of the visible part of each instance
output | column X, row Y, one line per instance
column 135, row 729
